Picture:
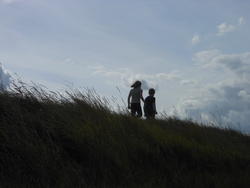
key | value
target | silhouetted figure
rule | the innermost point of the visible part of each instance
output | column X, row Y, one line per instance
column 149, row 105
column 135, row 95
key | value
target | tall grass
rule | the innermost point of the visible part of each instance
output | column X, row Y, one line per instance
column 76, row 140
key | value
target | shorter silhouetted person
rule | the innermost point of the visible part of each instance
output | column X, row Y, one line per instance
column 134, row 99
column 149, row 105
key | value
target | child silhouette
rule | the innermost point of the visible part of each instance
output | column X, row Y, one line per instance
column 149, row 105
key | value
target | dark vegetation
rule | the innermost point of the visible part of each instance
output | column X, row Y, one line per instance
column 47, row 140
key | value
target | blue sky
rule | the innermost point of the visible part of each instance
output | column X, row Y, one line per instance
column 189, row 50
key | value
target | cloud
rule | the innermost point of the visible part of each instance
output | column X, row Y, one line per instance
column 205, row 56
column 226, row 103
column 188, row 82
column 224, row 27
column 5, row 78
column 196, row 39
column 241, row 21
column 239, row 64
column 127, row 76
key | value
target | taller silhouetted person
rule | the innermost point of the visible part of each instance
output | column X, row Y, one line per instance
column 134, row 99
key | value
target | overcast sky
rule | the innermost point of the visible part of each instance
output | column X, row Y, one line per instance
column 195, row 53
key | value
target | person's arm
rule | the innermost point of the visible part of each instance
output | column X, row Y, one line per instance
column 142, row 96
column 129, row 96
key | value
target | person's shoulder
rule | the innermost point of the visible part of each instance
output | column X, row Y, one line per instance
column 151, row 99
column 148, row 99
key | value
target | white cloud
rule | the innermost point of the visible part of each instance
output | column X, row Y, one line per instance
column 225, row 28
column 226, row 103
column 239, row 64
column 5, row 78
column 196, row 39
column 205, row 56
column 241, row 21
column 174, row 75
column 127, row 76
column 244, row 95
column 188, row 82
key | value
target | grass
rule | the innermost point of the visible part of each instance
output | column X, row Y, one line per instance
column 50, row 140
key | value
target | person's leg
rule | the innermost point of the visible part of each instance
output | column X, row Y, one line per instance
column 139, row 110
column 133, row 109
column 151, row 115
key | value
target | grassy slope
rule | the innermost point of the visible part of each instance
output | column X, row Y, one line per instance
column 81, row 144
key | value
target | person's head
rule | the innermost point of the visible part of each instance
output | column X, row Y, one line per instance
column 136, row 84
column 151, row 92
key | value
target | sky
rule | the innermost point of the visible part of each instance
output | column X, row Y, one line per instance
column 195, row 53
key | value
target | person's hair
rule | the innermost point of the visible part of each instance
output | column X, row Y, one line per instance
column 136, row 84
column 151, row 91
